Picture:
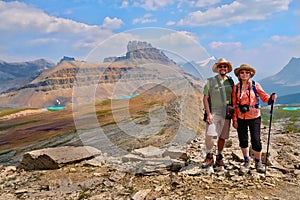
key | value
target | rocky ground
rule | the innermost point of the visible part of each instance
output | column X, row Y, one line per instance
column 84, row 180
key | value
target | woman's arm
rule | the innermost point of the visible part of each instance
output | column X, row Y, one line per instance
column 234, row 104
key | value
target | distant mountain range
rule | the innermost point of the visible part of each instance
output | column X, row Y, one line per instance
column 17, row 74
column 141, row 67
column 289, row 99
column 200, row 69
column 42, row 75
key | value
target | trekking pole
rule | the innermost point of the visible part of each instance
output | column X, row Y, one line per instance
column 271, row 114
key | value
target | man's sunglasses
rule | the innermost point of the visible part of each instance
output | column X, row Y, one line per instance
column 222, row 66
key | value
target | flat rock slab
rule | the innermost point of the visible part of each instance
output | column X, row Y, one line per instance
column 52, row 158
column 149, row 152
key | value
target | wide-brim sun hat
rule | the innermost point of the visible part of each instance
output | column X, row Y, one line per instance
column 244, row 67
column 222, row 61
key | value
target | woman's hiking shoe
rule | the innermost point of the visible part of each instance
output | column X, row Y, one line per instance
column 260, row 167
column 244, row 169
column 209, row 160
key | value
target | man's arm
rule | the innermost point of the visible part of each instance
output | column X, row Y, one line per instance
column 207, row 109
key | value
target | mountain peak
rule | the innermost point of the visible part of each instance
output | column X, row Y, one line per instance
column 137, row 45
column 141, row 51
column 294, row 62
column 66, row 58
column 208, row 61
column 286, row 81
column 291, row 69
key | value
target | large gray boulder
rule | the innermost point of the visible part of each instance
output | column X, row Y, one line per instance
column 53, row 158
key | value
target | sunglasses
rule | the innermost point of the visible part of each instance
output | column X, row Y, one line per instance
column 244, row 72
column 222, row 66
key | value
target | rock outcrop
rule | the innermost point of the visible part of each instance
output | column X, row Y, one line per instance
column 138, row 51
column 66, row 58
column 53, row 158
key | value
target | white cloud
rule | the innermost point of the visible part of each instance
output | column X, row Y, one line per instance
column 203, row 3
column 178, row 44
column 273, row 54
column 152, row 4
column 181, row 44
column 170, row 23
column 112, row 23
column 285, row 39
column 236, row 12
column 225, row 45
column 39, row 41
column 179, row 38
column 18, row 17
column 125, row 4
column 32, row 27
column 157, row 4
column 68, row 12
column 112, row 46
column 145, row 19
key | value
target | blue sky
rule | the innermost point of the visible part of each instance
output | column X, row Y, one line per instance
column 262, row 33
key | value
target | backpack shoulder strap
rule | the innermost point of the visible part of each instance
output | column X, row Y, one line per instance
column 255, row 92
column 237, row 88
column 254, row 88
column 230, row 81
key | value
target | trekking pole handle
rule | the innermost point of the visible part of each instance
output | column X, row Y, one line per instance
column 271, row 100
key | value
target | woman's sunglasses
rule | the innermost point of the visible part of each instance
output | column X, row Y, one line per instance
column 244, row 72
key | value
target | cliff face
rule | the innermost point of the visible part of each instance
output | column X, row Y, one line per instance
column 68, row 74
column 138, row 51
column 142, row 65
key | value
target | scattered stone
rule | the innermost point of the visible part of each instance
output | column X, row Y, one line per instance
column 151, row 173
column 21, row 191
column 141, row 195
column 72, row 170
column 175, row 152
column 237, row 155
column 132, row 158
column 149, row 152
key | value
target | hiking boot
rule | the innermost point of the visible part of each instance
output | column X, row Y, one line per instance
column 260, row 167
column 245, row 168
column 209, row 160
column 219, row 161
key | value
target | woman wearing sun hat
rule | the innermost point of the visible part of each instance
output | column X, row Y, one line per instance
column 245, row 99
